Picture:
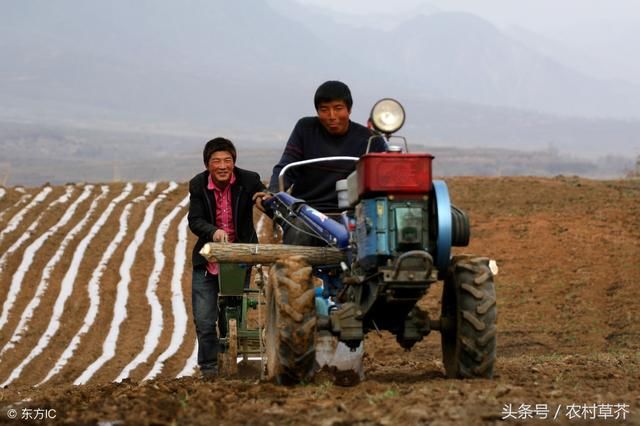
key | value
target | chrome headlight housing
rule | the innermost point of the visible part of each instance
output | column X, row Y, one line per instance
column 387, row 116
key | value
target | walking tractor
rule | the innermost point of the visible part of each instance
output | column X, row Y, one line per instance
column 391, row 243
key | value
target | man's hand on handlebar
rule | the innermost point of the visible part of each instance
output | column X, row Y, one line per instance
column 259, row 198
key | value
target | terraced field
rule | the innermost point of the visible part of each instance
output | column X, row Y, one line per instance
column 95, row 317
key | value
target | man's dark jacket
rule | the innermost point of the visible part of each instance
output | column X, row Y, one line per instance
column 202, row 209
column 316, row 183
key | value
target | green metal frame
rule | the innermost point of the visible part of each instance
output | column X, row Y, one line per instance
column 232, row 278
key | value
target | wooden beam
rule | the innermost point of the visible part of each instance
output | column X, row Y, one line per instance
column 269, row 253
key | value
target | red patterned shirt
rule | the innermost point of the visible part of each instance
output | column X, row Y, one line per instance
column 224, row 214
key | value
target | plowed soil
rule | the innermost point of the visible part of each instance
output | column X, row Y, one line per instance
column 568, row 298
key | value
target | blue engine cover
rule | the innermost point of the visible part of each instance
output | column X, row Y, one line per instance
column 372, row 230
column 378, row 228
column 331, row 231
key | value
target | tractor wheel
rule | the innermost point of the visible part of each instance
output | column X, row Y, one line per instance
column 291, row 322
column 469, row 319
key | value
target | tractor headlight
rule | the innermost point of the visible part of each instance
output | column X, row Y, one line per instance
column 387, row 116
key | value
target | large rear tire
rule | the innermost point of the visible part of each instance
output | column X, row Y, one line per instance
column 469, row 319
column 291, row 322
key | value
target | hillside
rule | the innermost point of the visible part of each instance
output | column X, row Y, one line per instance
column 118, row 81
column 81, row 267
column 36, row 154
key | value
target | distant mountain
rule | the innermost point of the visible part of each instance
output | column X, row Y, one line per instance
column 199, row 59
column 205, row 61
column 613, row 58
column 188, row 70
column 460, row 56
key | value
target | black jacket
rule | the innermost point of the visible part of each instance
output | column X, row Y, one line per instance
column 316, row 183
column 202, row 209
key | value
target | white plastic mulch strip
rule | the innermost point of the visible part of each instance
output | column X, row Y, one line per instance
column 2, row 192
column 65, row 290
column 30, row 252
column 177, row 302
column 17, row 219
column 94, row 284
column 27, row 234
column 152, row 339
column 44, row 281
column 21, row 201
column 122, row 292
column 191, row 364
column 149, row 188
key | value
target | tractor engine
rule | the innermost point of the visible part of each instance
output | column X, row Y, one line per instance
column 399, row 208
column 405, row 227
column 390, row 194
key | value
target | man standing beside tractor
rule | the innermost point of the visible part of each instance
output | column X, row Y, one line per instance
column 220, row 210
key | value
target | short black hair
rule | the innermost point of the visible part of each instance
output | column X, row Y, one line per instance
column 218, row 144
column 333, row 90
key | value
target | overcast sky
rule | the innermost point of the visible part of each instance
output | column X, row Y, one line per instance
column 537, row 14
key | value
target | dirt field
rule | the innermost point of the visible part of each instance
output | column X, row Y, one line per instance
column 568, row 250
